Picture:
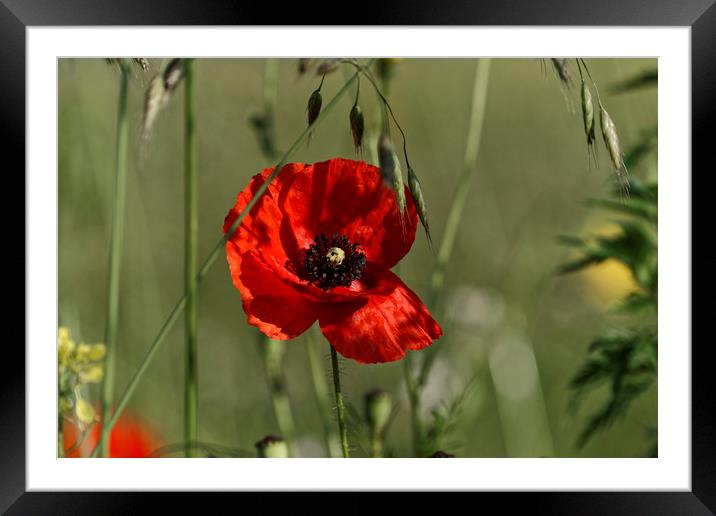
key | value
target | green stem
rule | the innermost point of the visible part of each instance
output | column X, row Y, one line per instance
column 376, row 445
column 437, row 283
column 115, row 255
column 272, row 352
column 191, row 224
column 340, row 407
column 322, row 397
column 215, row 253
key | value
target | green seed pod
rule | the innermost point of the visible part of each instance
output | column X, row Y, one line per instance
column 272, row 447
column 416, row 193
column 378, row 406
column 314, row 106
column 390, row 170
column 611, row 140
column 357, row 126
column 588, row 114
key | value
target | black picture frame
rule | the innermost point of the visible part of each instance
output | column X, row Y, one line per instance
column 16, row 15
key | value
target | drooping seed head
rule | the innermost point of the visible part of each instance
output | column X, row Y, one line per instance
column 357, row 126
column 588, row 114
column 390, row 170
column 416, row 192
column 611, row 140
column 173, row 74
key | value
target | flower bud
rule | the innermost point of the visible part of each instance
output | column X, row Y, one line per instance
column 92, row 374
column 314, row 106
column 97, row 352
column 84, row 411
column 357, row 126
column 378, row 406
column 272, row 447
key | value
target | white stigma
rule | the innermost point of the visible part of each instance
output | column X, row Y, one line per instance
column 335, row 256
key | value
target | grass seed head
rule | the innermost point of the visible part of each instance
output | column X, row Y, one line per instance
column 390, row 171
column 416, row 193
column 611, row 140
column 173, row 74
column 357, row 126
column 588, row 114
column 560, row 66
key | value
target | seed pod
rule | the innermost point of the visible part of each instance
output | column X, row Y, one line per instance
column 611, row 140
column 314, row 106
column 272, row 447
column 173, row 74
column 159, row 92
column 357, row 126
column 142, row 63
column 588, row 115
column 378, row 406
column 390, row 170
column 416, row 192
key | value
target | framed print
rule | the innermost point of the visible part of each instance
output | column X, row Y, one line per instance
column 242, row 245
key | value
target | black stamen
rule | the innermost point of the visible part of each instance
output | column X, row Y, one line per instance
column 326, row 273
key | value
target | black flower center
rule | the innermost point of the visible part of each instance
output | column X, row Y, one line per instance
column 333, row 262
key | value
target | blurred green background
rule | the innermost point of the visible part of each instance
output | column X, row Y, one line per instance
column 514, row 331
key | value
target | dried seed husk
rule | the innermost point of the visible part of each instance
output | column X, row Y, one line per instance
column 416, row 192
column 357, row 126
column 328, row 66
column 314, row 106
column 304, row 64
column 611, row 140
column 159, row 92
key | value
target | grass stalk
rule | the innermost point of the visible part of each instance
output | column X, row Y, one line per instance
column 320, row 389
column 115, row 256
column 437, row 282
column 191, row 225
column 216, row 252
column 340, row 407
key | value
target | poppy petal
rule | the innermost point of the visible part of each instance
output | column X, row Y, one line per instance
column 271, row 305
column 389, row 320
column 348, row 198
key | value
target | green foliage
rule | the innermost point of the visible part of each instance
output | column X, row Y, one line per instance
column 623, row 358
column 443, row 423
column 646, row 79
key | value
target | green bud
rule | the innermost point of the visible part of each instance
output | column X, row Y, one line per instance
column 84, row 411
column 378, row 406
column 416, row 192
column 357, row 126
column 272, row 447
column 92, row 374
column 314, row 106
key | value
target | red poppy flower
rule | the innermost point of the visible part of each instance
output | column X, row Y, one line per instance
column 129, row 437
column 319, row 245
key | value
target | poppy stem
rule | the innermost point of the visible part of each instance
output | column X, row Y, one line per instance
column 437, row 283
column 340, row 407
column 216, row 252
column 191, row 223
column 320, row 389
column 115, row 255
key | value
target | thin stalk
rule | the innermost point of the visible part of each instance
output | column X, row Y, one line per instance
column 376, row 444
column 60, row 436
column 340, row 407
column 437, row 283
column 272, row 352
column 214, row 254
column 320, row 389
column 191, row 225
column 115, row 255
